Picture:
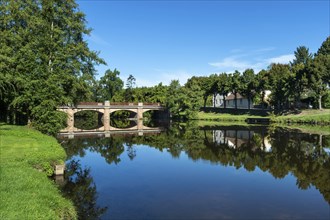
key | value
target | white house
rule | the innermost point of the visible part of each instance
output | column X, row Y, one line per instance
column 242, row 102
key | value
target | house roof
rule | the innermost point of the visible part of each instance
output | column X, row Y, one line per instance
column 232, row 96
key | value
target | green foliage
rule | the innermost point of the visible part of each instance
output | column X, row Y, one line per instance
column 109, row 85
column 302, row 56
column 45, row 58
column 46, row 119
column 249, row 85
column 325, row 47
column 280, row 76
column 129, row 92
column 87, row 120
column 47, row 168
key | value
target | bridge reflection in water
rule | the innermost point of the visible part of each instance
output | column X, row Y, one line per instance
column 97, row 133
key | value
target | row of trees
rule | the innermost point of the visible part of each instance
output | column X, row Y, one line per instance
column 305, row 79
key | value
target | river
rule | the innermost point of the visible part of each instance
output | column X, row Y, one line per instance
column 192, row 172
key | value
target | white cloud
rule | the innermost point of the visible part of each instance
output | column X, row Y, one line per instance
column 232, row 63
column 265, row 49
column 98, row 40
column 281, row 59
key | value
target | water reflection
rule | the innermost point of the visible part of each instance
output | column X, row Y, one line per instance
column 81, row 189
column 277, row 151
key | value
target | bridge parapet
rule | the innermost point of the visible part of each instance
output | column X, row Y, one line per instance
column 115, row 105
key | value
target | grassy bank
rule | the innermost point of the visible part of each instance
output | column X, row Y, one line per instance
column 26, row 191
column 224, row 116
column 310, row 116
column 306, row 116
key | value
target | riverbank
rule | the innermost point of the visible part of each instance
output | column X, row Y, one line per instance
column 26, row 191
column 310, row 116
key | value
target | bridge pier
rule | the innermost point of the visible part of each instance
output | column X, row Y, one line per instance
column 70, row 120
column 106, row 116
column 140, row 111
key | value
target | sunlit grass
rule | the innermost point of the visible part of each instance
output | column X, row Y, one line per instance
column 25, row 190
column 306, row 116
column 225, row 116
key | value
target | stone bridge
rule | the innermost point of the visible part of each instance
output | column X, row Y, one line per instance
column 106, row 109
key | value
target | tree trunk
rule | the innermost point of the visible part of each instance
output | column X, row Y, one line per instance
column 235, row 100
column 214, row 100
column 224, row 101
column 320, row 102
column 320, row 140
column 263, row 100
column 249, row 101
column 205, row 99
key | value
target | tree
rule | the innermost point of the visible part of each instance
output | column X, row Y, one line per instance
column 44, row 52
column 191, row 100
column 173, row 97
column 248, row 84
column 235, row 84
column 325, row 48
column 279, row 78
column 262, row 85
column 299, row 65
column 130, row 84
column 223, row 86
column 205, row 83
column 110, row 84
column 302, row 55
column 318, row 76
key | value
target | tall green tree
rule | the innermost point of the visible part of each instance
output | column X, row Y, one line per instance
column 173, row 98
column 318, row 73
column 192, row 100
column 279, row 78
column 235, row 84
column 130, row 85
column 302, row 55
column 299, row 81
column 248, row 85
column 109, row 85
column 205, row 84
column 44, row 52
column 224, row 86
column 262, row 85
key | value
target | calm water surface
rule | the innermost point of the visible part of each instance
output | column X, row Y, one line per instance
column 188, row 172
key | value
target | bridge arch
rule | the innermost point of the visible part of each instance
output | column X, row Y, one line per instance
column 88, row 119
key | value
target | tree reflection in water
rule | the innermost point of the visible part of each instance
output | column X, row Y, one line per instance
column 275, row 150
column 80, row 188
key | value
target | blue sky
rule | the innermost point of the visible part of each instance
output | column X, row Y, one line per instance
column 157, row 41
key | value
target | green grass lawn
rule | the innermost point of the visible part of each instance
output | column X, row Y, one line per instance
column 26, row 192
column 224, row 116
column 306, row 116
column 311, row 116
